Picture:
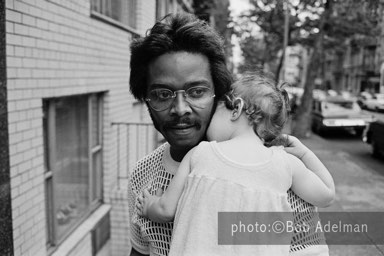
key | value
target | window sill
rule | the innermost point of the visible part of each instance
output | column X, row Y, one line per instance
column 82, row 230
column 115, row 23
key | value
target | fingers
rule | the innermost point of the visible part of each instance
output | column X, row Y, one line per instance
column 139, row 208
column 146, row 193
column 159, row 192
column 289, row 150
column 292, row 141
column 140, row 204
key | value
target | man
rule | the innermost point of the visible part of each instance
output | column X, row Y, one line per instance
column 179, row 70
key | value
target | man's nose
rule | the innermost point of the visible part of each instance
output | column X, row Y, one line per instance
column 180, row 106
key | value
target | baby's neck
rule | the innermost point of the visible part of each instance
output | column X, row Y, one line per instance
column 248, row 135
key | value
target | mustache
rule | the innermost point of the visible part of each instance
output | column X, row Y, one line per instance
column 181, row 121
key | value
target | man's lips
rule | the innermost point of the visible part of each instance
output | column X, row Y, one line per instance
column 181, row 126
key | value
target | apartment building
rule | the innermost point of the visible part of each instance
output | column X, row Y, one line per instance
column 70, row 129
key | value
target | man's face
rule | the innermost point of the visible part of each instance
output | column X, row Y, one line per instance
column 182, row 125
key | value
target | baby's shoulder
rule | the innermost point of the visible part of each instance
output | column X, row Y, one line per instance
column 203, row 149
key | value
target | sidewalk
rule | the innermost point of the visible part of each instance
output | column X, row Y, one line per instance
column 357, row 190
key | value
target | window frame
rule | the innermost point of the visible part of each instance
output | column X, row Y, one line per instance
column 107, row 19
column 49, row 130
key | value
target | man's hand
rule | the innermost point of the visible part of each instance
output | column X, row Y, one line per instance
column 295, row 147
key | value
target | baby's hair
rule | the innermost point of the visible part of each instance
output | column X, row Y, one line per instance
column 266, row 104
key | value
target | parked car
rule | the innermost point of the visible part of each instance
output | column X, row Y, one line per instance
column 362, row 99
column 374, row 135
column 376, row 102
column 338, row 113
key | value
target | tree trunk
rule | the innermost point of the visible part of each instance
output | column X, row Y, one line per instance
column 302, row 120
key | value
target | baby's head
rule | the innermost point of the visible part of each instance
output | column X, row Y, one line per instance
column 266, row 104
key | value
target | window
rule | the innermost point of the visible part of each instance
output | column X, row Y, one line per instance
column 73, row 161
column 120, row 11
column 163, row 7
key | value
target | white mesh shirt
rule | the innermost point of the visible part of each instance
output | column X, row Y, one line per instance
column 149, row 237
column 156, row 171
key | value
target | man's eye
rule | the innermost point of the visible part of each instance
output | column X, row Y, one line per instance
column 197, row 92
column 164, row 94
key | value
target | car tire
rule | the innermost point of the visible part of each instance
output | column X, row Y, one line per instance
column 319, row 130
column 375, row 149
column 359, row 131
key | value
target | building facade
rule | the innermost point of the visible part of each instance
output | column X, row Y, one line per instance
column 70, row 127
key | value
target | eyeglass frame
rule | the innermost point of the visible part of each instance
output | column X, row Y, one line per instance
column 175, row 95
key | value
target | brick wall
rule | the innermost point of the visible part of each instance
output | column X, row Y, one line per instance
column 54, row 48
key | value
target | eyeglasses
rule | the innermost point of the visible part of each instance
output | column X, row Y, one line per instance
column 162, row 99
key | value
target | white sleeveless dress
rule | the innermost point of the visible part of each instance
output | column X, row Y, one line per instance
column 219, row 184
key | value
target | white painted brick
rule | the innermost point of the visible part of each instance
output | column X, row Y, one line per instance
column 28, row 52
column 14, row 39
column 28, row 155
column 9, row 4
column 13, row 16
column 9, row 27
column 21, row 7
column 41, row 43
column 35, row 32
column 14, row 62
column 29, row 63
column 42, row 24
column 24, row 73
column 12, row 149
column 37, row 161
column 12, row 128
column 24, row 167
column 22, row 126
column 10, row 50
column 31, row 2
column 18, row 200
column 21, row 29
column 28, row 20
column 16, row 159
column 15, row 139
column 19, row 51
column 33, row 11
column 29, row 41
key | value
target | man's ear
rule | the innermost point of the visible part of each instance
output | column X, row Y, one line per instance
column 238, row 104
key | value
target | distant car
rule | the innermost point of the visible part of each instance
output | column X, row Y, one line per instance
column 362, row 98
column 374, row 135
column 376, row 102
column 338, row 113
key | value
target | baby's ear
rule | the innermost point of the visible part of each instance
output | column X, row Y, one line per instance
column 238, row 105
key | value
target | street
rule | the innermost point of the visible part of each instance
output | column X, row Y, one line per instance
column 359, row 181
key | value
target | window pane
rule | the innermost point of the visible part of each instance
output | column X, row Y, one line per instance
column 70, row 172
column 123, row 11
column 96, row 184
column 45, row 128
column 95, row 126
column 48, row 207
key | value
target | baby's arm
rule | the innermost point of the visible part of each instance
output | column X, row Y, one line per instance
column 163, row 208
column 312, row 182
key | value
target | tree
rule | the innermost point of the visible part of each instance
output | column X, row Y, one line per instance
column 318, row 25
column 217, row 13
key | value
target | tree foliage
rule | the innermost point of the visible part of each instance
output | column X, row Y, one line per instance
column 317, row 25
column 217, row 13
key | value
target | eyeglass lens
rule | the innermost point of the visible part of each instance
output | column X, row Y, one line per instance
column 161, row 99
